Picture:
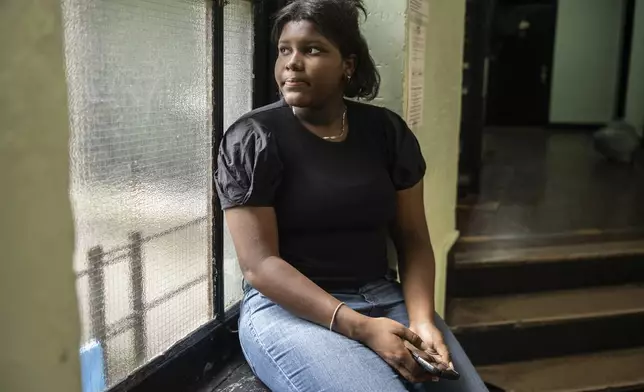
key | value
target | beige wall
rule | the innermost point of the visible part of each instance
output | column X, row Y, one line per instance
column 439, row 134
column 40, row 328
column 385, row 31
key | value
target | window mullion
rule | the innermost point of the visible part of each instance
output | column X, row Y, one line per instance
column 217, row 133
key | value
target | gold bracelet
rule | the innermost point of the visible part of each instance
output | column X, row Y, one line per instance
column 334, row 314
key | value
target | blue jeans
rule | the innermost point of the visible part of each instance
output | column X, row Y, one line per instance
column 291, row 354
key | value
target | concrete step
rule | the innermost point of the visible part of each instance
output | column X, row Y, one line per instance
column 546, row 324
column 605, row 371
column 545, row 307
column 500, row 271
column 515, row 241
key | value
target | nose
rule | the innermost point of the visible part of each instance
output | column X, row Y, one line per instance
column 295, row 62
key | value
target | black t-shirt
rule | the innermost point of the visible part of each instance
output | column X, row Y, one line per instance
column 334, row 201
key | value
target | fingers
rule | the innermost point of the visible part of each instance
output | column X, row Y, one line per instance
column 401, row 358
column 407, row 375
column 443, row 353
column 411, row 370
column 409, row 336
column 423, row 354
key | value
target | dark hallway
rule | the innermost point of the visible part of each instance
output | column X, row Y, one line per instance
column 546, row 283
column 545, row 286
column 540, row 181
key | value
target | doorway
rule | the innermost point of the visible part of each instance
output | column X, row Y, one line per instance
column 520, row 62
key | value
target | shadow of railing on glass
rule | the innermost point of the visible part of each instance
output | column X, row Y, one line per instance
column 98, row 260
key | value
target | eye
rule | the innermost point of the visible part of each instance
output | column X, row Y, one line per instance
column 284, row 50
column 313, row 50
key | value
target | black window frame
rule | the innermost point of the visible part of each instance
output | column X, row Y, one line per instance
column 201, row 355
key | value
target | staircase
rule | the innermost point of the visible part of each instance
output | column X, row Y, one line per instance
column 550, row 313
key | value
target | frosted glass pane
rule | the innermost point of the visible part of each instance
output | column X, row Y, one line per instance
column 238, row 99
column 139, row 78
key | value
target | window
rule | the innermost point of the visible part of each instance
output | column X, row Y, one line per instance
column 238, row 99
column 154, row 260
column 140, row 92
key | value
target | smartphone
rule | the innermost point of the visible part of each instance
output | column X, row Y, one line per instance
column 448, row 374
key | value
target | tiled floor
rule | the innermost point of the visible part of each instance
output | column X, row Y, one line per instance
column 538, row 181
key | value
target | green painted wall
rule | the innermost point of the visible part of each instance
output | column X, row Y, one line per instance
column 635, row 96
column 386, row 32
column 586, row 61
column 40, row 328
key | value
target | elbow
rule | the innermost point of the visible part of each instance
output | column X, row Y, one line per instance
column 248, row 272
column 252, row 271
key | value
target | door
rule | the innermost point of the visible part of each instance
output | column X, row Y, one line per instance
column 477, row 37
column 521, row 52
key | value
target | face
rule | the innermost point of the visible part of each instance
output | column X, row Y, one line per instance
column 309, row 69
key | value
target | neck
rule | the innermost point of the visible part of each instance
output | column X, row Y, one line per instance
column 322, row 115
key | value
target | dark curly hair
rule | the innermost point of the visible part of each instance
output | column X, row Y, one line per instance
column 338, row 21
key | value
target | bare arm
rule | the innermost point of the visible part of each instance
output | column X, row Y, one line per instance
column 417, row 270
column 415, row 255
column 254, row 232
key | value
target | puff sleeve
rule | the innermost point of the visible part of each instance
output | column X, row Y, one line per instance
column 406, row 162
column 249, row 169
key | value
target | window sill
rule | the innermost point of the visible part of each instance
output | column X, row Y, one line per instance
column 236, row 376
column 191, row 363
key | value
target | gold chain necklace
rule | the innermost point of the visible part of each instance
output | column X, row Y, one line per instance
column 335, row 137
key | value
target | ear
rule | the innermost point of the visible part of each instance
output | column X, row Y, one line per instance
column 349, row 64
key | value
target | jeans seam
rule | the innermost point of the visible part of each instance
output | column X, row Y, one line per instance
column 372, row 304
column 270, row 357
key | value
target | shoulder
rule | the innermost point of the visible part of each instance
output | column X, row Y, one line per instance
column 268, row 111
column 385, row 127
column 366, row 109
column 248, row 164
column 264, row 115
column 254, row 126
column 390, row 121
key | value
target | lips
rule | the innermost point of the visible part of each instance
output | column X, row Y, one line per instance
column 295, row 82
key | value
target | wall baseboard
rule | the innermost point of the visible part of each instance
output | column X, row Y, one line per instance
column 450, row 240
column 442, row 275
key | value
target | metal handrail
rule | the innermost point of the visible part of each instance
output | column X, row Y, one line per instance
column 135, row 320
column 126, row 248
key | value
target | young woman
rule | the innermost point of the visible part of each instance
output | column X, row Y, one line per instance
column 312, row 186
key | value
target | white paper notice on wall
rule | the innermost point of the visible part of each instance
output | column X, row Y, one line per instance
column 416, row 36
column 419, row 7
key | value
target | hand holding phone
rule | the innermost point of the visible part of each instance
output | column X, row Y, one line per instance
column 448, row 374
